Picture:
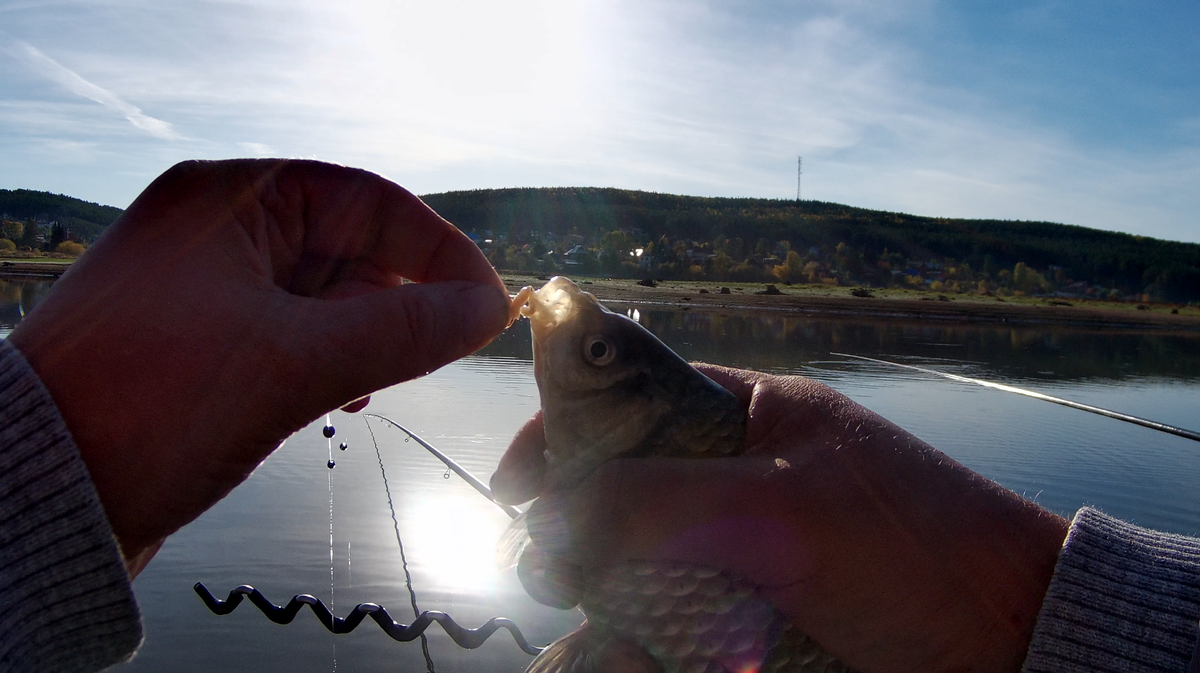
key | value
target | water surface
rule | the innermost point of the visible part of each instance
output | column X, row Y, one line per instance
column 274, row 531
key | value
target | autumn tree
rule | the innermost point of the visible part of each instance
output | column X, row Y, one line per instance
column 12, row 230
column 1028, row 280
column 792, row 269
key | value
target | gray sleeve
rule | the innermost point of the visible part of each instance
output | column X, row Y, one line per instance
column 1122, row 598
column 66, row 603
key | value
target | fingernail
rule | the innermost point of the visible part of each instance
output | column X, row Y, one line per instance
column 484, row 313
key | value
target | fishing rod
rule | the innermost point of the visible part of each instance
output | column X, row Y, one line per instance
column 1136, row 420
column 461, row 471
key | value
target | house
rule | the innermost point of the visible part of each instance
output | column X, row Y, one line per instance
column 574, row 256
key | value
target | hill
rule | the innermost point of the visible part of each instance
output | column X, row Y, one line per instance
column 813, row 241
column 599, row 231
column 84, row 219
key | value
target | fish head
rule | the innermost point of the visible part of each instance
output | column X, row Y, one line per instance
column 609, row 388
column 578, row 345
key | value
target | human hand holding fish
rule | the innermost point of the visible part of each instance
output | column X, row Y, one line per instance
column 887, row 553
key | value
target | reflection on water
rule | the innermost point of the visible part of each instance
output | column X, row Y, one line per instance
column 274, row 531
column 777, row 343
column 18, row 297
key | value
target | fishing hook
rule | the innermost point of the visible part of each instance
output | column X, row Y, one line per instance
column 1136, row 420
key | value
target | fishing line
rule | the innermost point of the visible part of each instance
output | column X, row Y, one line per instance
column 1136, row 420
column 412, row 594
column 328, row 431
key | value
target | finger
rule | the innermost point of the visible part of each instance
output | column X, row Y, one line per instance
column 759, row 393
column 357, row 405
column 394, row 230
column 358, row 345
column 519, row 475
column 313, row 224
column 781, row 405
column 740, row 382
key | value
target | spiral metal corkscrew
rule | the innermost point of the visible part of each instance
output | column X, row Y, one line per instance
column 463, row 637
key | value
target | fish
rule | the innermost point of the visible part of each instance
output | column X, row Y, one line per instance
column 610, row 389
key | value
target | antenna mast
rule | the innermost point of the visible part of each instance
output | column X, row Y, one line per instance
column 799, row 172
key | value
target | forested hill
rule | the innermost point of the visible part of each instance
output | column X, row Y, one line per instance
column 84, row 219
column 595, row 230
column 822, row 242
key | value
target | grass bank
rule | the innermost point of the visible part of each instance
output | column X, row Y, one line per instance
column 891, row 304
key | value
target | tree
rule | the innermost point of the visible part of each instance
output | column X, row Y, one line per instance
column 719, row 266
column 12, row 230
column 736, row 249
column 57, row 235
column 29, row 235
column 812, row 272
column 792, row 269
column 1028, row 280
column 610, row 261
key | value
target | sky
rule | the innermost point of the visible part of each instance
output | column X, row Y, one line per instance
column 1084, row 113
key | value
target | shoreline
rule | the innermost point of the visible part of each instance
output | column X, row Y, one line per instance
column 828, row 301
column 26, row 270
column 899, row 305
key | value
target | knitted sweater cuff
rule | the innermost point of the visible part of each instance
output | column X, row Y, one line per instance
column 1122, row 598
column 66, row 603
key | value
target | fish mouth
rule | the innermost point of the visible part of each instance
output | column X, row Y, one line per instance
column 552, row 305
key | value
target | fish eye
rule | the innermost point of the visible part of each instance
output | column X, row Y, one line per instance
column 599, row 350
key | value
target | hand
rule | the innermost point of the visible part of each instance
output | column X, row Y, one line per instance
column 885, row 551
column 231, row 305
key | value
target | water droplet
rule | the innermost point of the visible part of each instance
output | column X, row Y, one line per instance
column 328, row 431
column 447, row 475
column 331, row 464
column 342, row 446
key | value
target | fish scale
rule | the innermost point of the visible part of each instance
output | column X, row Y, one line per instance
column 690, row 619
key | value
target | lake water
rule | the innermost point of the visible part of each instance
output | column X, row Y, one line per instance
column 274, row 531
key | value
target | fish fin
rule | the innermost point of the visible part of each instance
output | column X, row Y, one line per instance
column 512, row 543
column 588, row 650
column 550, row 581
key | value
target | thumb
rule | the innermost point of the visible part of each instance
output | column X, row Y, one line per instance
column 518, row 477
column 374, row 340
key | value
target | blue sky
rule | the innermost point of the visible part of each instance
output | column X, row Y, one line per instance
column 1084, row 112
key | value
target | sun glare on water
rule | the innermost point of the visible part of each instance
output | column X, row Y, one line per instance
column 453, row 537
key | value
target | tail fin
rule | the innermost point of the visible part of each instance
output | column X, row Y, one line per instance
column 587, row 650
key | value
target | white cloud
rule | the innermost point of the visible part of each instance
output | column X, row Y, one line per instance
column 47, row 67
